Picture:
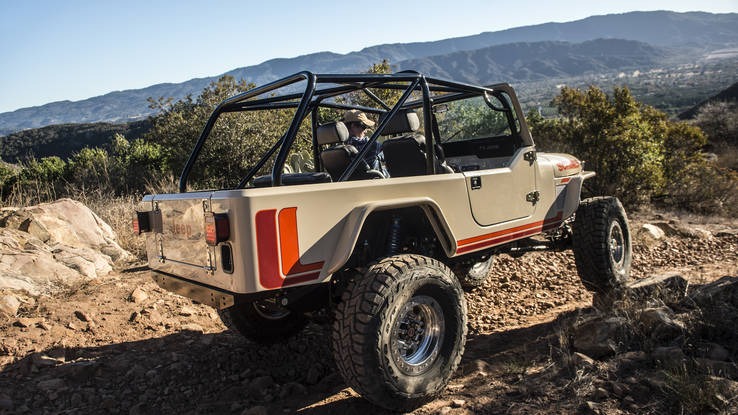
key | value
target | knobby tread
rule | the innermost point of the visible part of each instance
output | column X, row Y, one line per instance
column 355, row 334
column 590, row 244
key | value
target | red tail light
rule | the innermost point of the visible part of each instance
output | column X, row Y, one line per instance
column 217, row 228
column 141, row 223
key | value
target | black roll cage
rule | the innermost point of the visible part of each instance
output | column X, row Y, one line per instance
column 312, row 97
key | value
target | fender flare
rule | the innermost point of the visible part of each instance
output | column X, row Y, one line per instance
column 354, row 223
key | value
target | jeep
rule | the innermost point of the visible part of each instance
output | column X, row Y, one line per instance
column 387, row 252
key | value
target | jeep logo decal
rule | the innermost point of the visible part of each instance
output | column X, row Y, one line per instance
column 180, row 229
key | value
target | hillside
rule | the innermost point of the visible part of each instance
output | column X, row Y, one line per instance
column 66, row 139
column 728, row 94
column 693, row 34
column 540, row 60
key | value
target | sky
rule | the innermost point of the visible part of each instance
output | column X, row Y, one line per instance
column 53, row 50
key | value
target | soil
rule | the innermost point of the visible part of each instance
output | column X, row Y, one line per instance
column 120, row 344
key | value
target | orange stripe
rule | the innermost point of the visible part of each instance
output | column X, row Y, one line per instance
column 505, row 235
column 289, row 244
column 484, row 237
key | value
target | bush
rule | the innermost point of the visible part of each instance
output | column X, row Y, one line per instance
column 619, row 138
column 638, row 153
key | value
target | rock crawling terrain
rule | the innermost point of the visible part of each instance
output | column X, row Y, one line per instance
column 119, row 344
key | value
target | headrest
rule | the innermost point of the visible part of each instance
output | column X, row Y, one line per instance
column 332, row 133
column 405, row 121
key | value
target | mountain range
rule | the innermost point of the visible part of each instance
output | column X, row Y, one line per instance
column 635, row 40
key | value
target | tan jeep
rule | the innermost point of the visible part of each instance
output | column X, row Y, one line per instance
column 387, row 245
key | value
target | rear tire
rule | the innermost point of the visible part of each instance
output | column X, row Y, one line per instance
column 263, row 321
column 602, row 245
column 399, row 331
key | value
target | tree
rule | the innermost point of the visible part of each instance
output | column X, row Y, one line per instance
column 618, row 137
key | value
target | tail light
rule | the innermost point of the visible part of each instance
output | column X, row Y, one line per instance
column 142, row 222
column 217, row 228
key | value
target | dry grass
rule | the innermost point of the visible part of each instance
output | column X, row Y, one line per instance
column 118, row 212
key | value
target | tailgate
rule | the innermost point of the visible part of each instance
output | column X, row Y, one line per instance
column 182, row 230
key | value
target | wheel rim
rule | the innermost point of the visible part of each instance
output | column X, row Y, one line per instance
column 270, row 310
column 417, row 334
column 616, row 244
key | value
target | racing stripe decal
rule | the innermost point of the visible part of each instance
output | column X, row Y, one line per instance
column 507, row 235
column 289, row 245
column 275, row 239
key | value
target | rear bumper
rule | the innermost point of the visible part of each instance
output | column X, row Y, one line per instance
column 201, row 293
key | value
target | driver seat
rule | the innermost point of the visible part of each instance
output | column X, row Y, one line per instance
column 337, row 157
column 405, row 154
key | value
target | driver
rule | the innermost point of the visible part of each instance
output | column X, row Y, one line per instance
column 357, row 123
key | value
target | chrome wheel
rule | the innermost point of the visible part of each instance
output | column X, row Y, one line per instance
column 416, row 336
column 270, row 310
column 616, row 244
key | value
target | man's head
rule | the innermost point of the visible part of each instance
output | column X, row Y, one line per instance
column 357, row 122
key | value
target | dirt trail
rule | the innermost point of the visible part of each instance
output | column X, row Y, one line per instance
column 122, row 345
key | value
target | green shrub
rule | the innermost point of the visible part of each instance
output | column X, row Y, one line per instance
column 638, row 153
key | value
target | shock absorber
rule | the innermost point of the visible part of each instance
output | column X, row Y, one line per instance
column 394, row 237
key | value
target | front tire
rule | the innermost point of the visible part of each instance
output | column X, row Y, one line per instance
column 602, row 245
column 263, row 321
column 399, row 331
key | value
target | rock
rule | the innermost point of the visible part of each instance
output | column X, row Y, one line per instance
column 51, row 385
column 722, row 292
column 9, row 305
column 719, row 368
column 619, row 389
column 674, row 228
column 53, row 246
column 600, row 394
column 666, row 288
column 313, row 374
column 445, row 410
column 26, row 322
column 582, row 360
column 458, row 403
column 590, row 408
column 650, row 235
column 669, row 357
column 660, row 325
column 39, row 360
column 82, row 316
column 153, row 316
column 260, row 386
column 186, row 311
column 138, row 296
column 292, row 389
column 6, row 403
column 256, row 410
column 192, row 327
column 600, row 338
column 718, row 352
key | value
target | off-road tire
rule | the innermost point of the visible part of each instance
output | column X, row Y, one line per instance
column 602, row 245
column 397, row 301
column 473, row 274
column 261, row 325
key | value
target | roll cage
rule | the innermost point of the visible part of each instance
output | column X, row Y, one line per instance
column 318, row 91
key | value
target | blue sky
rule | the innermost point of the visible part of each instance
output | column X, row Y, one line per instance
column 52, row 50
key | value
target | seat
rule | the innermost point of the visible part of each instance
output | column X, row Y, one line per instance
column 405, row 154
column 337, row 157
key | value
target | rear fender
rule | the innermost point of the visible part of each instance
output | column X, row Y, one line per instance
column 355, row 220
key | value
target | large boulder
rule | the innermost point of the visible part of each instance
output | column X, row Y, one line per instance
column 55, row 245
